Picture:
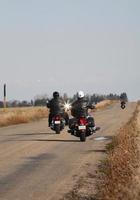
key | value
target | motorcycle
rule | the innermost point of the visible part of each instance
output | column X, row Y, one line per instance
column 123, row 104
column 57, row 124
column 81, row 128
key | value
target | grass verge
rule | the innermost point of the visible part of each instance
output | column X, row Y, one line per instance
column 118, row 170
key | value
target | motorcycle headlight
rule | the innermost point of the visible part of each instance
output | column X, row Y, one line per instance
column 67, row 106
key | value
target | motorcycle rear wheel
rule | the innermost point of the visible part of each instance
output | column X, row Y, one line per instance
column 123, row 106
column 57, row 129
column 83, row 137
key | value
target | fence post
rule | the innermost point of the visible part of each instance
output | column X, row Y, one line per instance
column 4, row 103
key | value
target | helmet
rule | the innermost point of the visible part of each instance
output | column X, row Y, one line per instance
column 80, row 94
column 56, row 94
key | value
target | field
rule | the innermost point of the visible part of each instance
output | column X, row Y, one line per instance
column 104, row 103
column 11, row 116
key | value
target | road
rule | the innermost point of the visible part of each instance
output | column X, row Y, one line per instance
column 36, row 164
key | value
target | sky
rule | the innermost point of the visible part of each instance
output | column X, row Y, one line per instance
column 69, row 45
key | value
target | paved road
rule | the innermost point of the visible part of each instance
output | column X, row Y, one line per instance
column 36, row 164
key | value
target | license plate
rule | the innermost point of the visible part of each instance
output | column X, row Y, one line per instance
column 81, row 127
column 57, row 122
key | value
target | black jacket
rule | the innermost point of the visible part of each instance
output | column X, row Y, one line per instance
column 123, row 97
column 56, row 106
column 80, row 108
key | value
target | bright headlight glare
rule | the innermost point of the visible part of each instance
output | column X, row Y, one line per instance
column 67, row 106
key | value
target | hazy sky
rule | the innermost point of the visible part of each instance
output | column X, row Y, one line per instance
column 69, row 45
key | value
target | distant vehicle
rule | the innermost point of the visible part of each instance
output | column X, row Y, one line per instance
column 123, row 104
column 123, row 100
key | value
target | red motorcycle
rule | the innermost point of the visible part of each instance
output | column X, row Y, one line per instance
column 57, row 124
column 81, row 128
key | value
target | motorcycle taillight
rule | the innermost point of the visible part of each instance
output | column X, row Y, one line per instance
column 57, row 117
column 83, row 121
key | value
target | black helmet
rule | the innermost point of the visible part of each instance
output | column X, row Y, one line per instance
column 56, row 94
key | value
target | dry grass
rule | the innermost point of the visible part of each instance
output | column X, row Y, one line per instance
column 118, row 170
column 104, row 103
column 11, row 116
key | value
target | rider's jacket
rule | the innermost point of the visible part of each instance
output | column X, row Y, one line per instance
column 80, row 108
column 56, row 106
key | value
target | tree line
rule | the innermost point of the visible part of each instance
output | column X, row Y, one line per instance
column 40, row 100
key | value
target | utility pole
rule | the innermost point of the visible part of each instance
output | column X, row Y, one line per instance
column 4, row 102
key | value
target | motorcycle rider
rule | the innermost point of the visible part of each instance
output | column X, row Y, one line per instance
column 56, row 106
column 123, row 97
column 80, row 107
